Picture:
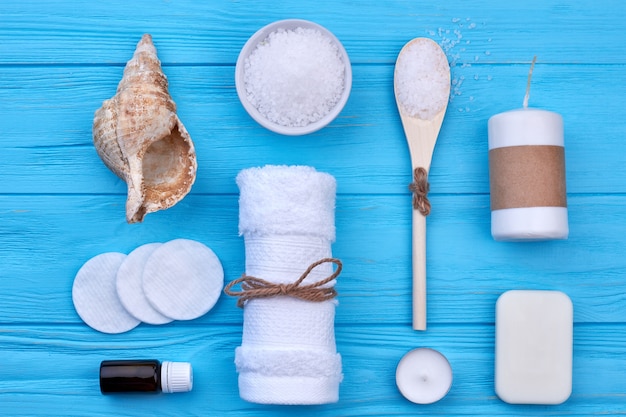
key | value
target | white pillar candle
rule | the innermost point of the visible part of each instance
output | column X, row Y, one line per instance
column 424, row 376
column 527, row 175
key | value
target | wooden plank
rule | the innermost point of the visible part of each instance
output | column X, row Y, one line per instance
column 42, row 251
column 372, row 32
column 60, row 206
column 48, row 113
column 369, row 353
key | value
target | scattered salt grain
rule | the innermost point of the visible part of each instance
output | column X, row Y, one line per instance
column 295, row 77
column 421, row 79
column 454, row 41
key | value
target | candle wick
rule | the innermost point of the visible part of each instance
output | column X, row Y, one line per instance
column 424, row 377
column 530, row 74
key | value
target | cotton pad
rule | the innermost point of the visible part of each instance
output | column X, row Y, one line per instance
column 130, row 286
column 183, row 279
column 95, row 296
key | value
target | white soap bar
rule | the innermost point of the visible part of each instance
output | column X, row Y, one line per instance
column 534, row 332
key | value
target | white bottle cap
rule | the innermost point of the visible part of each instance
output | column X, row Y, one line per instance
column 176, row 377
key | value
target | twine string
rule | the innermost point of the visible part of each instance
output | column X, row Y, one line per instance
column 253, row 287
column 420, row 187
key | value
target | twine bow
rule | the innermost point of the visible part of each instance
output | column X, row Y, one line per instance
column 252, row 287
column 420, row 187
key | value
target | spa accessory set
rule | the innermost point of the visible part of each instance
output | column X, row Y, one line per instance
column 288, row 354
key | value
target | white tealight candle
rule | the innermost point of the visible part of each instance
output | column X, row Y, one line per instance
column 527, row 175
column 423, row 376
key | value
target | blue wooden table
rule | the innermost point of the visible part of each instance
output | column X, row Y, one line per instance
column 60, row 205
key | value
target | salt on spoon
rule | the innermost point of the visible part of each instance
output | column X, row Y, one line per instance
column 422, row 90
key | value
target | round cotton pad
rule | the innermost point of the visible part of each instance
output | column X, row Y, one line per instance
column 130, row 287
column 183, row 279
column 95, row 297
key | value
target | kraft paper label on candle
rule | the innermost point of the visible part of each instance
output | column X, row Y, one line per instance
column 527, row 176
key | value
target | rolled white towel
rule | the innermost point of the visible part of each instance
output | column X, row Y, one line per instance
column 288, row 353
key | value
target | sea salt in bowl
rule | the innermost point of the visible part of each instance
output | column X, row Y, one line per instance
column 293, row 77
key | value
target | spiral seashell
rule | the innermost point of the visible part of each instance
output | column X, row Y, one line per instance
column 139, row 137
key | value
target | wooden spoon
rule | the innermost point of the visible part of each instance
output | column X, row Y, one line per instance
column 422, row 90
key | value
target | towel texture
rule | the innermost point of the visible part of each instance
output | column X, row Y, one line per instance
column 287, row 200
column 288, row 353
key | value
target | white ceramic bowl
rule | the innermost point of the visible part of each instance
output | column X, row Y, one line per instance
column 250, row 46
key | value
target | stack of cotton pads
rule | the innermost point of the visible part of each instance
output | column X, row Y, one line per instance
column 156, row 283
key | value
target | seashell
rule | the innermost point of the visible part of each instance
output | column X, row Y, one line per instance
column 139, row 137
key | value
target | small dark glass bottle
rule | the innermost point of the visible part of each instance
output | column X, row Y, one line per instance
column 145, row 375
